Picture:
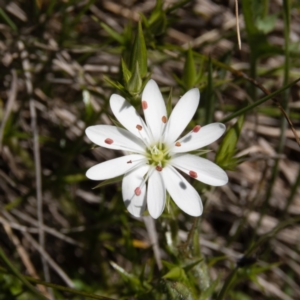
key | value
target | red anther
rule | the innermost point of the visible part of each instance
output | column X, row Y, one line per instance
column 137, row 191
column 193, row 174
column 129, row 162
column 144, row 104
column 159, row 168
column 108, row 141
column 177, row 144
column 139, row 127
column 164, row 119
column 196, row 128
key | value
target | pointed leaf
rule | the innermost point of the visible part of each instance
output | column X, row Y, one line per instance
column 176, row 273
column 114, row 34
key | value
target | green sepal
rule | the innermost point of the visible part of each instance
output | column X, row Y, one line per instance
column 177, row 273
column 139, row 53
column 135, row 83
column 189, row 71
column 126, row 73
column 224, row 157
column 191, row 265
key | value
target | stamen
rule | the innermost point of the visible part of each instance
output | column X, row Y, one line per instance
column 137, row 191
column 139, row 127
column 144, row 105
column 158, row 168
column 108, row 141
column 129, row 162
column 177, row 144
column 193, row 174
column 164, row 119
column 196, row 128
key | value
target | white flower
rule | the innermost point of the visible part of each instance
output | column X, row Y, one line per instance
column 155, row 151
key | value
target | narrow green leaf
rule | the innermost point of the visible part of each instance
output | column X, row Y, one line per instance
column 108, row 181
column 116, row 85
column 258, row 102
column 131, row 279
column 112, row 33
column 8, row 20
column 158, row 20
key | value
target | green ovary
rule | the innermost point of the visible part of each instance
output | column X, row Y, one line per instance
column 158, row 155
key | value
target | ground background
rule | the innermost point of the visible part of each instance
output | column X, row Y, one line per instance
column 52, row 51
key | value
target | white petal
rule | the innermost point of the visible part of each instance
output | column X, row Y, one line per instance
column 182, row 115
column 135, row 204
column 205, row 136
column 115, row 167
column 128, row 116
column 154, row 109
column 183, row 194
column 156, row 195
column 201, row 169
column 114, row 138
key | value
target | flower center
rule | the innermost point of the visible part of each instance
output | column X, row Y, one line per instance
column 158, row 155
